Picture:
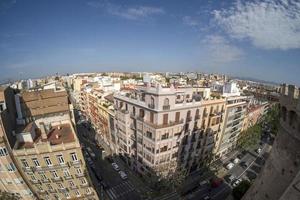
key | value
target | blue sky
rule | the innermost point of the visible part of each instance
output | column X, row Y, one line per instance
column 259, row 39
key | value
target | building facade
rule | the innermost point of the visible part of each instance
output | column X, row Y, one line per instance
column 47, row 150
column 235, row 111
column 163, row 129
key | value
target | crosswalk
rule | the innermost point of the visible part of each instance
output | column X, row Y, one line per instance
column 118, row 191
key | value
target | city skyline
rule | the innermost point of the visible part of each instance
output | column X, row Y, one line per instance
column 256, row 39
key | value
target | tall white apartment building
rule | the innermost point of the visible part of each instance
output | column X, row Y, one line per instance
column 162, row 129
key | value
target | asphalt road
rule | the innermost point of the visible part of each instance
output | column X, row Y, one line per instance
column 117, row 189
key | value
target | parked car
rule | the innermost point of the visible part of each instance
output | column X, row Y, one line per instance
column 115, row 166
column 229, row 165
column 104, row 185
column 231, row 178
column 236, row 160
column 258, row 150
column 237, row 182
column 202, row 183
column 110, row 159
column 244, row 164
column 206, row 198
column 123, row 175
column 216, row 182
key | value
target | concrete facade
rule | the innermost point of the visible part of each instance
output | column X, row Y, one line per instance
column 163, row 129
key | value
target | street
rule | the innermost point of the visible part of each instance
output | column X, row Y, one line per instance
column 115, row 188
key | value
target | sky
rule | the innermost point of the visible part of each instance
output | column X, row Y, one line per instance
column 258, row 39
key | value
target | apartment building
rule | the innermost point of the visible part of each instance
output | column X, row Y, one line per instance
column 97, row 107
column 11, row 180
column 46, row 147
column 163, row 129
column 235, row 111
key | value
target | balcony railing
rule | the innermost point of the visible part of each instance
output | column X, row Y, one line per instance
column 197, row 117
column 158, row 126
column 188, row 118
column 152, row 106
column 166, row 107
column 58, row 179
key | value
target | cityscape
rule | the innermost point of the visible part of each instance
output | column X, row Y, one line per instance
column 149, row 100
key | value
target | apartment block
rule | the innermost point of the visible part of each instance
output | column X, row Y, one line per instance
column 11, row 180
column 97, row 106
column 46, row 147
column 164, row 128
column 235, row 111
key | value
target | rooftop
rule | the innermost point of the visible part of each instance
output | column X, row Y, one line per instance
column 58, row 134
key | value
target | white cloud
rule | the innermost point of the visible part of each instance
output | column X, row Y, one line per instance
column 268, row 24
column 220, row 51
column 187, row 20
column 134, row 13
column 128, row 12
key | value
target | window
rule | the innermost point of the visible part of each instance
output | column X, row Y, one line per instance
column 24, row 163
column 79, row 171
column 177, row 116
column 83, row 181
column 60, row 185
column 88, row 191
column 11, row 167
column 71, row 183
column 36, row 162
column 60, row 159
column 43, row 176
column 49, row 186
column 77, row 193
column 165, row 119
column 54, row 174
column 39, row 187
column 48, row 161
column 3, row 151
column 74, row 157
column 67, row 195
column 66, row 173
column 33, row 177
column 151, row 117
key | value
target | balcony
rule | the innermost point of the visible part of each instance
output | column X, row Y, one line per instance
column 75, row 163
column 159, row 126
column 45, row 180
column 152, row 106
column 35, row 181
column 52, row 191
column 58, row 179
column 80, row 175
column 166, row 107
column 188, row 118
column 68, row 177
column 197, row 117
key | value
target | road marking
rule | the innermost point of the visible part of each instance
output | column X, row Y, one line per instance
column 111, row 194
column 252, row 162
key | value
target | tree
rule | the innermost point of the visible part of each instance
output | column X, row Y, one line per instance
column 8, row 196
column 250, row 137
column 239, row 191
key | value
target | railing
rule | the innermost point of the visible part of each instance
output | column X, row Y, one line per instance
column 197, row 117
column 166, row 107
column 158, row 126
column 152, row 106
column 188, row 118
column 57, row 179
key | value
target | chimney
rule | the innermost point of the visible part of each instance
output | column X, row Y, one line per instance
column 43, row 131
